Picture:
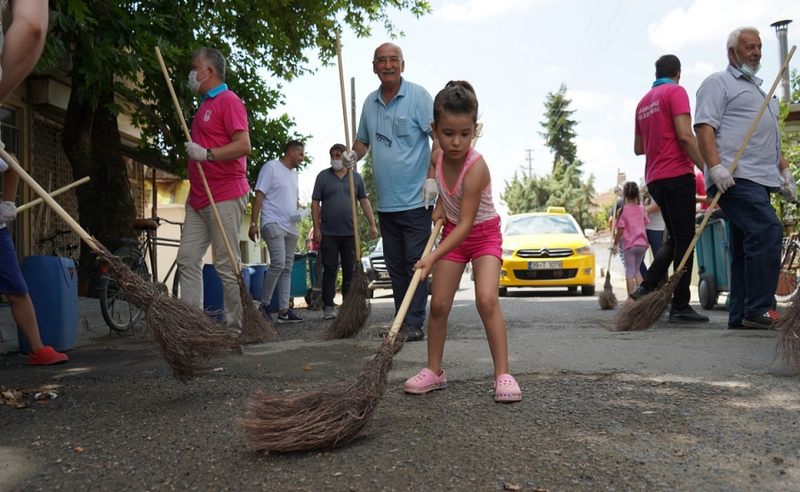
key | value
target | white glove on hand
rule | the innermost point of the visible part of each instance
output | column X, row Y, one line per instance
column 429, row 191
column 8, row 212
column 195, row 152
column 349, row 158
column 721, row 178
column 3, row 166
column 788, row 185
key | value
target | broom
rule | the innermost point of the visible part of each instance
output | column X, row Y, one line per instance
column 329, row 418
column 255, row 328
column 607, row 299
column 640, row 315
column 355, row 307
column 185, row 335
column 53, row 193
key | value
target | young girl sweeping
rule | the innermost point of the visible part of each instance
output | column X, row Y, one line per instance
column 471, row 233
column 631, row 229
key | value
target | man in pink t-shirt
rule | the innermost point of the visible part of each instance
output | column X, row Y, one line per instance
column 664, row 135
column 220, row 144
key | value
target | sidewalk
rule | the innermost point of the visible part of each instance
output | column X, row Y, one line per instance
column 90, row 324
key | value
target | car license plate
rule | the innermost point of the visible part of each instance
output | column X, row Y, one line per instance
column 544, row 265
column 383, row 275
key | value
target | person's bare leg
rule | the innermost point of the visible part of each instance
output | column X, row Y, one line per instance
column 25, row 316
column 486, row 270
column 446, row 277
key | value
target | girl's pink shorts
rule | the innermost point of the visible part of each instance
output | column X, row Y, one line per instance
column 484, row 239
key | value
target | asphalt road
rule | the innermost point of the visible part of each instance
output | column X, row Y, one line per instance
column 677, row 407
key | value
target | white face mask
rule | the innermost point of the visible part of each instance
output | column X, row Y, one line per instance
column 747, row 69
column 336, row 164
column 194, row 84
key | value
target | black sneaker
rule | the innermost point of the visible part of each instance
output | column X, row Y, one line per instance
column 289, row 317
column 640, row 292
column 412, row 333
column 763, row 322
column 686, row 315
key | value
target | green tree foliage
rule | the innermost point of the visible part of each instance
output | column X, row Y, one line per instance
column 106, row 49
column 563, row 186
column 789, row 212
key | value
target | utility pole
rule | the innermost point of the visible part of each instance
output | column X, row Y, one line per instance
column 530, row 162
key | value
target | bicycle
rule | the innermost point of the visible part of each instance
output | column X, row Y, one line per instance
column 140, row 255
column 790, row 268
column 50, row 246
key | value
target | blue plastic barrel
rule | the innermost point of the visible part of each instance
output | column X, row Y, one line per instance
column 299, row 276
column 53, row 286
column 257, row 280
column 213, row 293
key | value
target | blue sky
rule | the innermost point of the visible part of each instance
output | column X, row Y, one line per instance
column 516, row 51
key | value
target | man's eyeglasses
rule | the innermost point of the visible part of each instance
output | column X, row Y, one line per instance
column 381, row 60
column 383, row 138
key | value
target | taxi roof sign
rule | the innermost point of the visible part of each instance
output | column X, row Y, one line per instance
column 556, row 210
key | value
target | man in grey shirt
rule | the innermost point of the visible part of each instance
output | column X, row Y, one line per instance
column 727, row 104
column 331, row 211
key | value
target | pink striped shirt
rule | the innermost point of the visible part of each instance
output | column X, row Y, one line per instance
column 452, row 199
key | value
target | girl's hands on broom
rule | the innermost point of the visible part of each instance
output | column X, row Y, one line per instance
column 426, row 265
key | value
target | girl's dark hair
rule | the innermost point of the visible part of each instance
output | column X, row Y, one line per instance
column 631, row 191
column 457, row 97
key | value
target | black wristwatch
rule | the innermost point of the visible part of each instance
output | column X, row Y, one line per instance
column 209, row 155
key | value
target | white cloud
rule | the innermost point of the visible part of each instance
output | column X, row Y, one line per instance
column 700, row 69
column 587, row 100
column 704, row 20
column 478, row 9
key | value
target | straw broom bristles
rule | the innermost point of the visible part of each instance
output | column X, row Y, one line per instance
column 640, row 315
column 355, row 308
column 607, row 299
column 319, row 419
column 255, row 328
column 186, row 336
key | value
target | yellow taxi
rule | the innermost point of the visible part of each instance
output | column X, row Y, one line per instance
column 546, row 249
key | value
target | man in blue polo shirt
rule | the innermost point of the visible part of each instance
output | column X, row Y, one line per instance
column 727, row 104
column 395, row 127
column 331, row 212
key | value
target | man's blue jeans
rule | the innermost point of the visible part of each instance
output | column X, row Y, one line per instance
column 756, row 235
column 404, row 237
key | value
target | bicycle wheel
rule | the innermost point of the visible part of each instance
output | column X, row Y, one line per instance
column 120, row 314
column 789, row 273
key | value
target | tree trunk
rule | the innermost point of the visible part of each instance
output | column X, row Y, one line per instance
column 92, row 144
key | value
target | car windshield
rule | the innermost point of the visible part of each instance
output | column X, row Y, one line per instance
column 378, row 246
column 541, row 224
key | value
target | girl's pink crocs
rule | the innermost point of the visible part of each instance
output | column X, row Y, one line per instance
column 425, row 381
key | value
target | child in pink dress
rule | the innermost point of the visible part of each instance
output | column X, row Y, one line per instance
column 472, row 233
column 631, row 228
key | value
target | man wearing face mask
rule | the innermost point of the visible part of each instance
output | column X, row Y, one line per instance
column 220, row 143
column 277, row 203
column 331, row 211
column 727, row 104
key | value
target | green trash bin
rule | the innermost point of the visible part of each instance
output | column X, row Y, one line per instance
column 299, row 276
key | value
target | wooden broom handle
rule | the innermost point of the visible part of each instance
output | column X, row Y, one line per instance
column 347, row 145
column 57, row 192
column 412, row 286
column 217, row 218
column 28, row 179
column 735, row 162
